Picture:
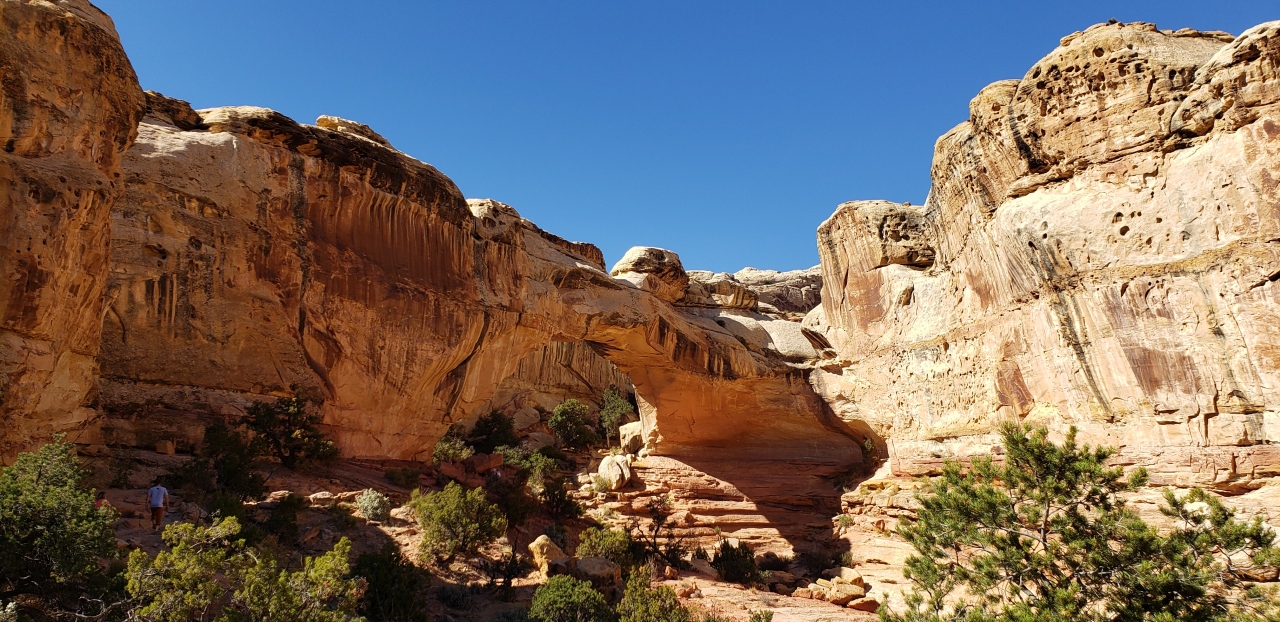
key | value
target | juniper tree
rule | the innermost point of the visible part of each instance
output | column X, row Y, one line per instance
column 1047, row 535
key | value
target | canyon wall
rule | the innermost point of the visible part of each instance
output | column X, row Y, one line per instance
column 68, row 110
column 254, row 256
column 1100, row 248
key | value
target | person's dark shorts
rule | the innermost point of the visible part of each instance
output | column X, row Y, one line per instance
column 157, row 515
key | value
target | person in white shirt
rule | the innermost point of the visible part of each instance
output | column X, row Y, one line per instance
column 158, row 498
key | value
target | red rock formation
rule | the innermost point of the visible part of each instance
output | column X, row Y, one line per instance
column 67, row 112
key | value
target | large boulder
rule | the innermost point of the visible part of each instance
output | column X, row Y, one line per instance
column 631, row 436
column 545, row 553
column 654, row 270
column 616, row 470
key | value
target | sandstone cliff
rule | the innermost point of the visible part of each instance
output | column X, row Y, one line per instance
column 67, row 113
column 1098, row 249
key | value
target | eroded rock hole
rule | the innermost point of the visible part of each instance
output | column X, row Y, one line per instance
column 1124, row 230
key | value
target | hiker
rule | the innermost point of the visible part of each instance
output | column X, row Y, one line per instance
column 101, row 500
column 158, row 497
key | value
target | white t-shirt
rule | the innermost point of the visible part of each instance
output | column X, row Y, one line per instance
column 157, row 495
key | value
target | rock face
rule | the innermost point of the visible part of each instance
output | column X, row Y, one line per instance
column 781, row 295
column 1098, row 249
column 339, row 266
column 67, row 113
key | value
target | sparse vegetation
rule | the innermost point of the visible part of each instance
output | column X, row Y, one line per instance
column 1047, row 536
column 221, row 477
column 565, row 599
column 404, row 477
column 773, row 561
column 659, row 540
column 599, row 483
column 538, row 467
column 569, row 422
column 373, row 505
column 282, row 522
column 643, row 603
column 456, row 522
column 394, row 586
column 760, row 616
column 288, row 430
column 454, row 596
column 735, row 562
column 557, row 502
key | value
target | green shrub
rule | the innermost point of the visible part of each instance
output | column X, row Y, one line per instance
column 492, row 431
column 406, row 477
column 760, row 616
column 451, row 447
column 569, row 422
column 558, row 534
column 558, row 503
column 190, row 579
column 1047, row 535
column 373, row 505
column 515, row 503
column 659, row 540
column 536, row 466
column 565, row 599
column 9, row 613
column 221, row 477
column 454, row 596
column 517, row 614
column 773, row 561
column 456, row 522
column 288, row 430
column 51, row 535
column 614, row 544
column 736, row 564
column 613, row 412
column 394, row 586
column 643, row 603
column 283, row 519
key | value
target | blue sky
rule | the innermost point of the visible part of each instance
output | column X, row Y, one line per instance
column 725, row 131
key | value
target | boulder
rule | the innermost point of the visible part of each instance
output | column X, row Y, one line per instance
column 600, row 571
column 165, row 447
column 703, row 566
column 844, row 575
column 707, row 289
column 865, row 603
column 544, row 551
column 616, row 469
column 631, row 436
column 538, row 440
column 322, row 499
column 802, row 592
column 481, row 463
column 654, row 270
column 525, row 418
column 842, row 593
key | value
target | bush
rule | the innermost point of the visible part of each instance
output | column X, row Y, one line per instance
column 512, row 499
column 492, row 431
column 451, row 447
column 288, row 429
column 565, row 599
column 773, row 561
column 535, row 465
column 558, row 534
column 456, row 522
column 373, row 505
column 454, row 596
column 221, row 476
column 614, row 544
column 406, row 477
column 643, row 603
column 659, row 539
column 569, row 422
column 613, row 411
column 736, row 564
column 394, row 586
column 1047, row 536
column 190, row 579
column 283, row 519
column 51, row 535
column 760, row 616
column 517, row 614
column 556, row 500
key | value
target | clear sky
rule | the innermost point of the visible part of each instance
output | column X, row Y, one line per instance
column 725, row 131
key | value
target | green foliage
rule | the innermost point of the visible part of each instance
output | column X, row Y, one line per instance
column 51, row 535
column 492, row 431
column 517, row 614
column 613, row 412
column 735, row 563
column 773, row 561
column 288, row 430
column 189, row 580
column 451, row 447
column 569, row 422
column 454, row 596
column 642, row 603
column 221, row 476
column 9, row 613
column 557, row 502
column 599, row 483
column 456, row 522
column 614, row 544
column 513, row 500
column 373, row 505
column 536, row 465
column 760, row 616
column 565, row 599
column 406, row 477
column 394, row 586
column 283, row 519
column 558, row 534
column 1047, row 536
column 659, row 540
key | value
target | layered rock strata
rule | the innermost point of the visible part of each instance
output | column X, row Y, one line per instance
column 1098, row 249
column 337, row 265
column 68, row 110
